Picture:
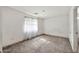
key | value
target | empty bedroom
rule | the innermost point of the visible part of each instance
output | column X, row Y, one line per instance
column 36, row 29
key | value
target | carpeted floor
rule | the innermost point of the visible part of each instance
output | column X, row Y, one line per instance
column 41, row 44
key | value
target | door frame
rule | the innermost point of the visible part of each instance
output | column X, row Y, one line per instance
column 73, row 37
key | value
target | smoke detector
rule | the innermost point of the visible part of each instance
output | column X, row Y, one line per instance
column 36, row 13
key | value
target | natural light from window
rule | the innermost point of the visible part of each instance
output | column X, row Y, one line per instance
column 30, row 25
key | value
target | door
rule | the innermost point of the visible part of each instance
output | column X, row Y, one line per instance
column 0, row 31
column 73, row 29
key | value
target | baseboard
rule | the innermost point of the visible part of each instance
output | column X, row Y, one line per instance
column 37, row 36
column 55, row 36
column 13, row 44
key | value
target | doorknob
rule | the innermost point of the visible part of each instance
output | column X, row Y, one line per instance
column 76, row 32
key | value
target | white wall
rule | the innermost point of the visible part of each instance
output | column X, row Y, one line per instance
column 12, row 23
column 58, row 26
column 40, row 26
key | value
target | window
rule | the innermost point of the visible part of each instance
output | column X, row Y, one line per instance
column 30, row 25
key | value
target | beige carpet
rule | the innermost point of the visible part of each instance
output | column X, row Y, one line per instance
column 41, row 44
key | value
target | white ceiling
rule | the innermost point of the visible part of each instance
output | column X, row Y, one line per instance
column 43, row 11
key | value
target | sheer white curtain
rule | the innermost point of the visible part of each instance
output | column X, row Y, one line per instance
column 30, row 27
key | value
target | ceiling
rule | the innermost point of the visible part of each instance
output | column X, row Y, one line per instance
column 43, row 11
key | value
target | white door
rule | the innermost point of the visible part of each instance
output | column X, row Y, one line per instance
column 73, row 29
column 0, row 31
